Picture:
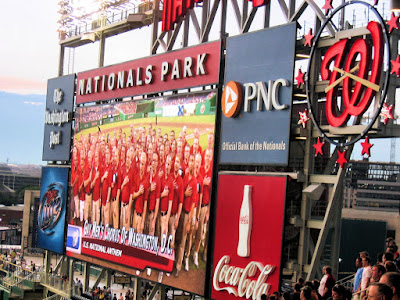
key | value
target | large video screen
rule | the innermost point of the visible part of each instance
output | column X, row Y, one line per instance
column 140, row 187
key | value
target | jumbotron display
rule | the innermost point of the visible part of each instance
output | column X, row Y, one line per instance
column 141, row 183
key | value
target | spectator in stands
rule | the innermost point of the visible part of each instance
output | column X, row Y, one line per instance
column 388, row 256
column 339, row 292
column 296, row 292
column 358, row 276
column 301, row 281
column 277, row 295
column 366, row 275
column 377, row 272
column 379, row 291
column 392, row 279
column 33, row 266
column 306, row 293
column 327, row 283
column 379, row 259
column 364, row 254
column 390, row 267
column 120, row 297
column 314, row 290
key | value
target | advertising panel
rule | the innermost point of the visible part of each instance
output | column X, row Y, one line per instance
column 58, row 118
column 52, row 209
column 189, row 67
column 248, row 236
column 141, row 184
column 256, row 102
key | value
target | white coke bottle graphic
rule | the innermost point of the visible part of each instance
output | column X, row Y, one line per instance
column 245, row 221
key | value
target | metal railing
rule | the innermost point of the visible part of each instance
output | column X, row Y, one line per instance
column 347, row 282
column 112, row 17
column 56, row 282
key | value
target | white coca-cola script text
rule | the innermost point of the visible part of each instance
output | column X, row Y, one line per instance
column 239, row 280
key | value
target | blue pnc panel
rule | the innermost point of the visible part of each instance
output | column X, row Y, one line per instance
column 262, row 64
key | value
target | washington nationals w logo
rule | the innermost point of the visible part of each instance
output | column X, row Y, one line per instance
column 353, row 68
column 357, row 99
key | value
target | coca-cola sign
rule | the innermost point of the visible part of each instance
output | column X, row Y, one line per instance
column 247, row 256
column 239, row 281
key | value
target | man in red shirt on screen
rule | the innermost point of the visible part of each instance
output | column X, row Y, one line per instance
column 141, row 195
column 206, row 174
column 190, row 187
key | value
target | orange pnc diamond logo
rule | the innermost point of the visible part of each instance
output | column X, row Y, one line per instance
column 231, row 99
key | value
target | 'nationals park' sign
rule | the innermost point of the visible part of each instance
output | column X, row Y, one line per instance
column 195, row 66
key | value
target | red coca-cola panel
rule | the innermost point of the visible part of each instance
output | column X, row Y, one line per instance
column 189, row 67
column 236, row 277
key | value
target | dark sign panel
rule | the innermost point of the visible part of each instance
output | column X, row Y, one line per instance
column 248, row 236
column 58, row 118
column 52, row 209
column 141, row 177
column 189, row 67
column 256, row 102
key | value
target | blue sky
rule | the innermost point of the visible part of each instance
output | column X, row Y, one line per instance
column 29, row 57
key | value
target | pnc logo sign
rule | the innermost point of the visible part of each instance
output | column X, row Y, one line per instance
column 231, row 99
column 267, row 97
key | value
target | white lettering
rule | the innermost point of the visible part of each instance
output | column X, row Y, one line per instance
column 149, row 74
column 200, row 70
column 111, row 81
column 139, row 80
column 250, row 92
column 239, row 280
column 121, row 80
column 187, row 71
column 164, row 70
column 96, row 84
column 175, row 70
column 82, row 87
column 275, row 93
column 89, row 86
column 55, row 138
column 129, row 81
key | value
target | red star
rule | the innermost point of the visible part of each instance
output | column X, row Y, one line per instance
column 308, row 38
column 341, row 158
column 386, row 113
column 395, row 66
column 318, row 147
column 366, row 147
column 300, row 78
column 327, row 6
column 393, row 23
column 303, row 118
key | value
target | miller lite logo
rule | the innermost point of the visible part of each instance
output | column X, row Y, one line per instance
column 353, row 68
column 50, row 207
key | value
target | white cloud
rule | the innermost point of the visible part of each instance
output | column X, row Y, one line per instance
column 33, row 103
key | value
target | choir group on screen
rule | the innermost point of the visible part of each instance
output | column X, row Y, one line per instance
column 154, row 182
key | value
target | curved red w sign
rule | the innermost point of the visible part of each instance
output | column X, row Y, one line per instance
column 355, row 100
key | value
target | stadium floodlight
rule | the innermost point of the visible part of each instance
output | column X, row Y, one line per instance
column 395, row 6
column 90, row 36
